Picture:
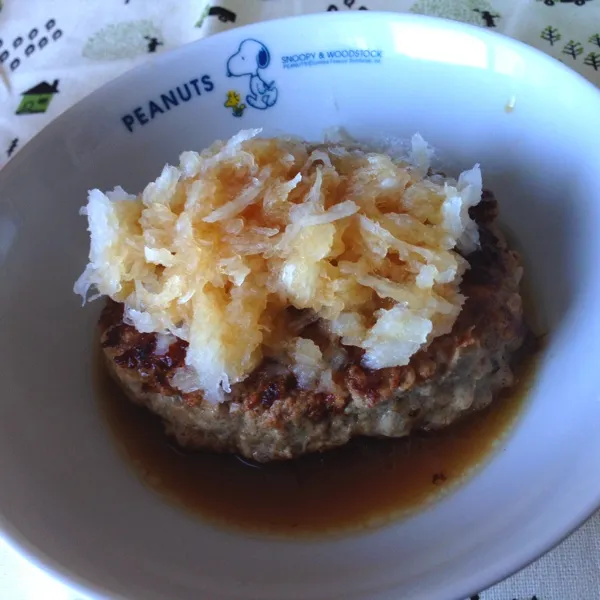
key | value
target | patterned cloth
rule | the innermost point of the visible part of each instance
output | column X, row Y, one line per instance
column 53, row 53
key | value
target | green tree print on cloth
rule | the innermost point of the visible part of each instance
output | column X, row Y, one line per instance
column 123, row 40
column 551, row 35
column 592, row 60
column 467, row 11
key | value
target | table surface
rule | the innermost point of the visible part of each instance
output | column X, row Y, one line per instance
column 65, row 46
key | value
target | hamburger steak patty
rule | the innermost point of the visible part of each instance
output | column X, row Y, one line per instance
column 268, row 417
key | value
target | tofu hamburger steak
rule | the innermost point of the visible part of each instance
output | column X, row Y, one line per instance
column 272, row 298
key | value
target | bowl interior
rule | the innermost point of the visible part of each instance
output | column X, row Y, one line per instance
column 65, row 494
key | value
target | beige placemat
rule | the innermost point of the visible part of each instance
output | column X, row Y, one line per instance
column 55, row 52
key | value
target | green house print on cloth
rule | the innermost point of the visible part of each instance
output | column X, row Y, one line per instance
column 37, row 99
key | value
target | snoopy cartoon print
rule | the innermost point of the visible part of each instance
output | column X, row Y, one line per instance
column 251, row 58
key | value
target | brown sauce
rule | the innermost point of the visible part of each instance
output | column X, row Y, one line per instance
column 366, row 483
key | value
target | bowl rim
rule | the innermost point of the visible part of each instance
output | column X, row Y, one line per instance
column 494, row 573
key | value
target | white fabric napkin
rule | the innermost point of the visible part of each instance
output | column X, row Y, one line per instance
column 55, row 52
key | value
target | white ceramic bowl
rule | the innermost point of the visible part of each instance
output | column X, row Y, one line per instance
column 68, row 500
